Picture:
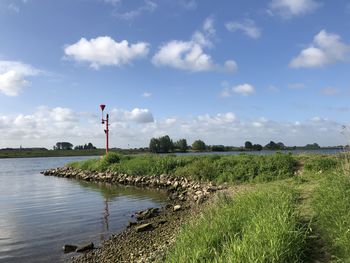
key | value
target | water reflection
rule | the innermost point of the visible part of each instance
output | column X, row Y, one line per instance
column 111, row 193
column 39, row 214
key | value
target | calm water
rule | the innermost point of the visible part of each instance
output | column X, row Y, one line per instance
column 39, row 214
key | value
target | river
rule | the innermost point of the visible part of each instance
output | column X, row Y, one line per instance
column 39, row 214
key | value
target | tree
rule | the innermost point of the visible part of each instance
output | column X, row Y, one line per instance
column 248, row 145
column 198, row 145
column 161, row 145
column 63, row 146
column 154, row 145
column 181, row 145
column 257, row 147
column 217, row 148
column 274, row 146
column 88, row 146
column 312, row 146
column 166, row 144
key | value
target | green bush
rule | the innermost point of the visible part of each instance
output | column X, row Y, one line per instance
column 259, row 226
column 112, row 158
column 321, row 163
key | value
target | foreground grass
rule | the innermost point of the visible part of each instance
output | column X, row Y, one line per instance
column 219, row 168
column 331, row 204
column 259, row 226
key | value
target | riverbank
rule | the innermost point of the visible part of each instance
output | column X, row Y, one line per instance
column 280, row 198
column 149, row 232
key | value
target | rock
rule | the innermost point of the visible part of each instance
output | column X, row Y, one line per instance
column 69, row 248
column 200, row 199
column 85, row 247
column 131, row 223
column 177, row 208
column 149, row 213
column 144, row 227
column 198, row 192
column 211, row 189
column 162, row 221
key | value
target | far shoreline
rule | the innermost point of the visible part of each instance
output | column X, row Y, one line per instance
column 41, row 152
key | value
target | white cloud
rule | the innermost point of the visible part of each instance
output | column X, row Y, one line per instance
column 329, row 91
column 290, row 8
column 208, row 26
column 113, row 2
column 247, row 26
column 189, row 4
column 273, row 89
column 190, row 55
column 14, row 8
column 225, row 93
column 147, row 94
column 244, row 89
column 13, row 76
column 148, row 6
column 105, row 51
column 136, row 115
column 326, row 48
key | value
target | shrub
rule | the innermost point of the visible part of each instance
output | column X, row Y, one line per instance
column 321, row 163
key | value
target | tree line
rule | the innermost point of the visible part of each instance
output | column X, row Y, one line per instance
column 69, row 146
column 165, row 144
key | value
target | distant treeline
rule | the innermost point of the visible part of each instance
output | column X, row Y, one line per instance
column 165, row 144
column 162, row 144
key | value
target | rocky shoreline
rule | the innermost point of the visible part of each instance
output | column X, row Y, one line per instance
column 147, row 238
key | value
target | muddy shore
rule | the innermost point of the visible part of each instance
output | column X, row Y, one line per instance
column 151, row 232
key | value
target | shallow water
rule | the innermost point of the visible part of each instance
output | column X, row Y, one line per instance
column 39, row 214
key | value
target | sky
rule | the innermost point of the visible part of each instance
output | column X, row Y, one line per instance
column 221, row 71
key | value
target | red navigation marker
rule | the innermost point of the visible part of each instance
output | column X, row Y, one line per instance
column 102, row 106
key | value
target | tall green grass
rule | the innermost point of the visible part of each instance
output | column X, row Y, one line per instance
column 220, row 168
column 322, row 163
column 259, row 226
column 331, row 204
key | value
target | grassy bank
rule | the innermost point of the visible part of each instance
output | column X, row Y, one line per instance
column 263, row 224
column 219, row 168
column 259, row 226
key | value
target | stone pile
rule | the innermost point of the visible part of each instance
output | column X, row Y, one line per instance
column 180, row 188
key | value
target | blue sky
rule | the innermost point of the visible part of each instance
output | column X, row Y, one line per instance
column 224, row 72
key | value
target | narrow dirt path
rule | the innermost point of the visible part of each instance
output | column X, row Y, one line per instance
column 316, row 248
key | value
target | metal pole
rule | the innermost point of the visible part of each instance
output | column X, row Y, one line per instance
column 102, row 106
column 107, row 131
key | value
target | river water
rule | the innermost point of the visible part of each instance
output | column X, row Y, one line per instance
column 39, row 214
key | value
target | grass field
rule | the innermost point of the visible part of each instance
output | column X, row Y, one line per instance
column 297, row 208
